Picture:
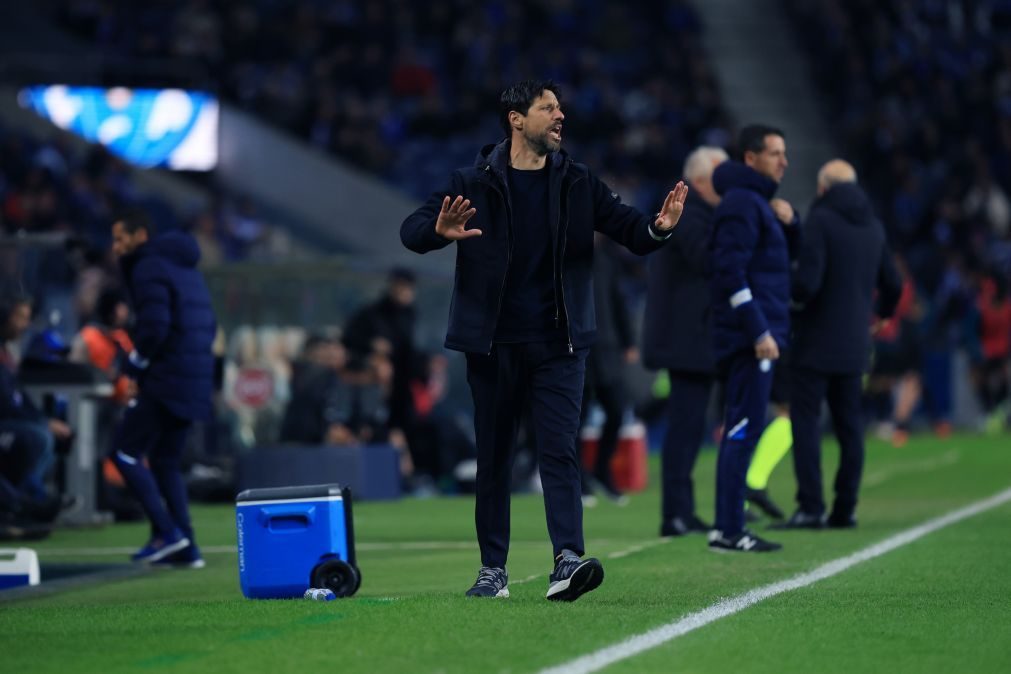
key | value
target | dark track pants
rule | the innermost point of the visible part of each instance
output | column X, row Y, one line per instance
column 545, row 376
column 748, row 384
column 149, row 430
column 686, row 428
column 842, row 392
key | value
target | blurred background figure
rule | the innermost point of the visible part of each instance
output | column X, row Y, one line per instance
column 844, row 263
column 27, row 436
column 614, row 349
column 677, row 337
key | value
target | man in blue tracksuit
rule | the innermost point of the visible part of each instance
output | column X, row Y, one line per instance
column 750, row 253
column 523, row 312
column 173, row 365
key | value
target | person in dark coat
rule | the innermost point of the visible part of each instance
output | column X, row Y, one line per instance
column 750, row 256
column 843, row 261
column 173, row 365
column 523, row 312
column 676, row 337
column 605, row 366
column 391, row 319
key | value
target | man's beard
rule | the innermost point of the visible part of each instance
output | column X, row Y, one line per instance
column 542, row 144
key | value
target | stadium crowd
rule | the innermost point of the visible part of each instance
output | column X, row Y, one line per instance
column 401, row 89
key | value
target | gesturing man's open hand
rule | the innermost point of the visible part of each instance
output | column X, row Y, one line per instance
column 453, row 219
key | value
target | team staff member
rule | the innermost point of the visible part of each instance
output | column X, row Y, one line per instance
column 676, row 337
column 174, row 369
column 750, row 256
column 844, row 259
column 522, row 311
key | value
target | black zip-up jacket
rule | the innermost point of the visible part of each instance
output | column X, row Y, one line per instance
column 844, row 259
column 579, row 203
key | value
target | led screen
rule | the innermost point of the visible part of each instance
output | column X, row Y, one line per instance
column 168, row 128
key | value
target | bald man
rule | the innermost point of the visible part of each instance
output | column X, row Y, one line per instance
column 844, row 258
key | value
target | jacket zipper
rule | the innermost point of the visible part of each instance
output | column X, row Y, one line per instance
column 509, row 252
column 561, row 268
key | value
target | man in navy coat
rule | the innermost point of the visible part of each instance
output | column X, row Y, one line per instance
column 173, row 365
column 523, row 312
column 676, row 337
column 844, row 260
column 750, row 256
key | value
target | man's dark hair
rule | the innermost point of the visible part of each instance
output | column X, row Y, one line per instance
column 135, row 219
column 752, row 137
column 520, row 97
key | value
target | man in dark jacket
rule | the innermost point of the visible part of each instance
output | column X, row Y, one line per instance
column 750, row 256
column 522, row 311
column 174, row 368
column 676, row 337
column 843, row 261
column 391, row 319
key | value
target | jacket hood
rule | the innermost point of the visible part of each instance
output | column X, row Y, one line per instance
column 734, row 174
column 849, row 201
column 496, row 155
column 178, row 247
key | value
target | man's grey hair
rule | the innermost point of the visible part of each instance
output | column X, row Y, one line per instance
column 702, row 160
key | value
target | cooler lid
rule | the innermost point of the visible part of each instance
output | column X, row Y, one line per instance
column 285, row 493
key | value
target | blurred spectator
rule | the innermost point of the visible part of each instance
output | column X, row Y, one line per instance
column 319, row 411
column 387, row 327
column 27, row 437
column 896, row 367
column 105, row 343
column 990, row 342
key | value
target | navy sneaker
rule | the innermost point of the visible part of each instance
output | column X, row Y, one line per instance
column 573, row 577
column 160, row 547
column 682, row 526
column 491, row 582
column 742, row 542
column 187, row 558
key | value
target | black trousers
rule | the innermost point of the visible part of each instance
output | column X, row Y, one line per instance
column 686, row 428
column 548, row 379
column 842, row 392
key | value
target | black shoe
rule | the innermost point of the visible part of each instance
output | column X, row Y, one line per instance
column 801, row 520
column 742, row 542
column 838, row 521
column 573, row 577
column 491, row 582
column 682, row 526
column 760, row 497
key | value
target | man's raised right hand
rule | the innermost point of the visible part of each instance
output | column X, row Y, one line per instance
column 453, row 219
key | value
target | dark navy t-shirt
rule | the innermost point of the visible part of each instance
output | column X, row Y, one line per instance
column 528, row 304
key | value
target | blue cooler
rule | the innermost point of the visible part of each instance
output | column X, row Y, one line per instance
column 294, row 538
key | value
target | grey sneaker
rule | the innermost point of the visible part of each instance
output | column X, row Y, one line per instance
column 573, row 577
column 491, row 582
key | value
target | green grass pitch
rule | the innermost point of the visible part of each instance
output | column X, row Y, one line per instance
column 940, row 604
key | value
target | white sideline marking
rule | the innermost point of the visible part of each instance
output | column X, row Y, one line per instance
column 924, row 466
column 721, row 609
